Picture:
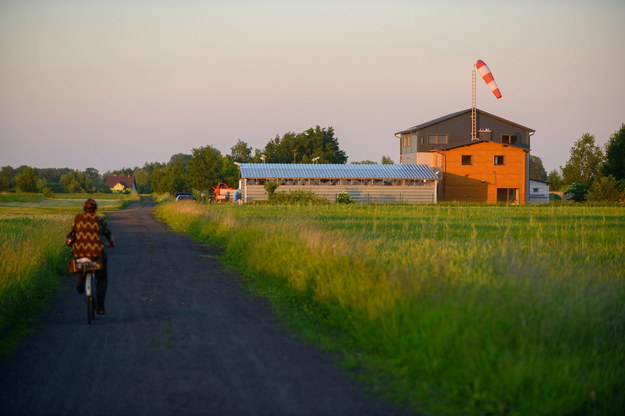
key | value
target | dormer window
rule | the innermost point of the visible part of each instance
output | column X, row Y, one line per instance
column 508, row 138
column 437, row 139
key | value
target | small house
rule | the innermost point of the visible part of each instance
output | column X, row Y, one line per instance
column 121, row 183
column 539, row 191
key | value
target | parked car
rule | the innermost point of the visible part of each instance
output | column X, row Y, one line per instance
column 184, row 196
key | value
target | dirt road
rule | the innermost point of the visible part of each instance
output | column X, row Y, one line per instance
column 180, row 337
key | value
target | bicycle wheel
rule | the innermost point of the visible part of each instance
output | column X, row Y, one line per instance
column 90, row 291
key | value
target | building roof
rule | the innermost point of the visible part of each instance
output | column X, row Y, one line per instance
column 540, row 180
column 456, row 114
column 336, row 171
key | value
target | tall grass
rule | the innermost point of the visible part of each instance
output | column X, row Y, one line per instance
column 451, row 309
column 33, row 256
column 33, row 260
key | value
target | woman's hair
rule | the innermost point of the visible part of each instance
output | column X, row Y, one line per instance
column 90, row 206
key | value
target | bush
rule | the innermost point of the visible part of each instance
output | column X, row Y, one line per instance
column 270, row 187
column 57, row 188
column 298, row 197
column 345, row 198
column 576, row 192
column 554, row 197
column 606, row 188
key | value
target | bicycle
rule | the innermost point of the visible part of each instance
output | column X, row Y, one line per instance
column 88, row 266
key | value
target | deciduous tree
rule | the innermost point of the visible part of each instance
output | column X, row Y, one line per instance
column 606, row 188
column 27, row 181
column 386, row 160
column 156, row 180
column 142, row 179
column 241, row 152
column 8, row 173
column 615, row 155
column 93, row 175
column 205, row 167
column 170, row 179
column 537, row 170
column 76, row 181
column 230, row 173
column 585, row 161
column 304, row 147
column 556, row 180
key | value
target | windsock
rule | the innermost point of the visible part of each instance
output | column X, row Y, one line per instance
column 488, row 77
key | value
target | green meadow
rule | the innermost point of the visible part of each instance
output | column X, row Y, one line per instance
column 33, row 253
column 445, row 309
column 33, row 204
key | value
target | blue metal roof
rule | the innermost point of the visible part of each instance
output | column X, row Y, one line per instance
column 335, row 171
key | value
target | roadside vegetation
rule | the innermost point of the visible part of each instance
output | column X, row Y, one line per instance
column 446, row 309
column 34, row 257
column 33, row 260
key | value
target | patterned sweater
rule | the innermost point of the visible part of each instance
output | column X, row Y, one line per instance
column 88, row 230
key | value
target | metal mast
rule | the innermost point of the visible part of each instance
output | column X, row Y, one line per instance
column 473, row 109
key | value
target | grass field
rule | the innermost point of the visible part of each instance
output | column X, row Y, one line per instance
column 32, row 204
column 447, row 309
column 34, row 258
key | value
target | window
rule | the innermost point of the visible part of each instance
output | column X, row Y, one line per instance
column 508, row 138
column 499, row 160
column 536, row 190
column 437, row 139
column 466, row 160
column 405, row 141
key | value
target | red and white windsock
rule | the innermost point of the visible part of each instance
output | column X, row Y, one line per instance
column 488, row 77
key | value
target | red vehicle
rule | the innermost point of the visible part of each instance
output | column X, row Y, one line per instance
column 223, row 193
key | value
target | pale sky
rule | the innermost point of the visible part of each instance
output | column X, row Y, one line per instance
column 112, row 84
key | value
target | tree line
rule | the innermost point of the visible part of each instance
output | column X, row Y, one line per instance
column 201, row 170
column 592, row 173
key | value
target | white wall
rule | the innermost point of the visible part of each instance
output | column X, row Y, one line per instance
column 363, row 194
column 538, row 192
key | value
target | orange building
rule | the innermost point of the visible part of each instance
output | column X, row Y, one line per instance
column 492, row 167
column 483, row 171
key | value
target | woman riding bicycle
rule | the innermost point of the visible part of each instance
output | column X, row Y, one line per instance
column 86, row 241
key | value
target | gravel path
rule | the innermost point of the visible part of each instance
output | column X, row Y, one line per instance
column 180, row 337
